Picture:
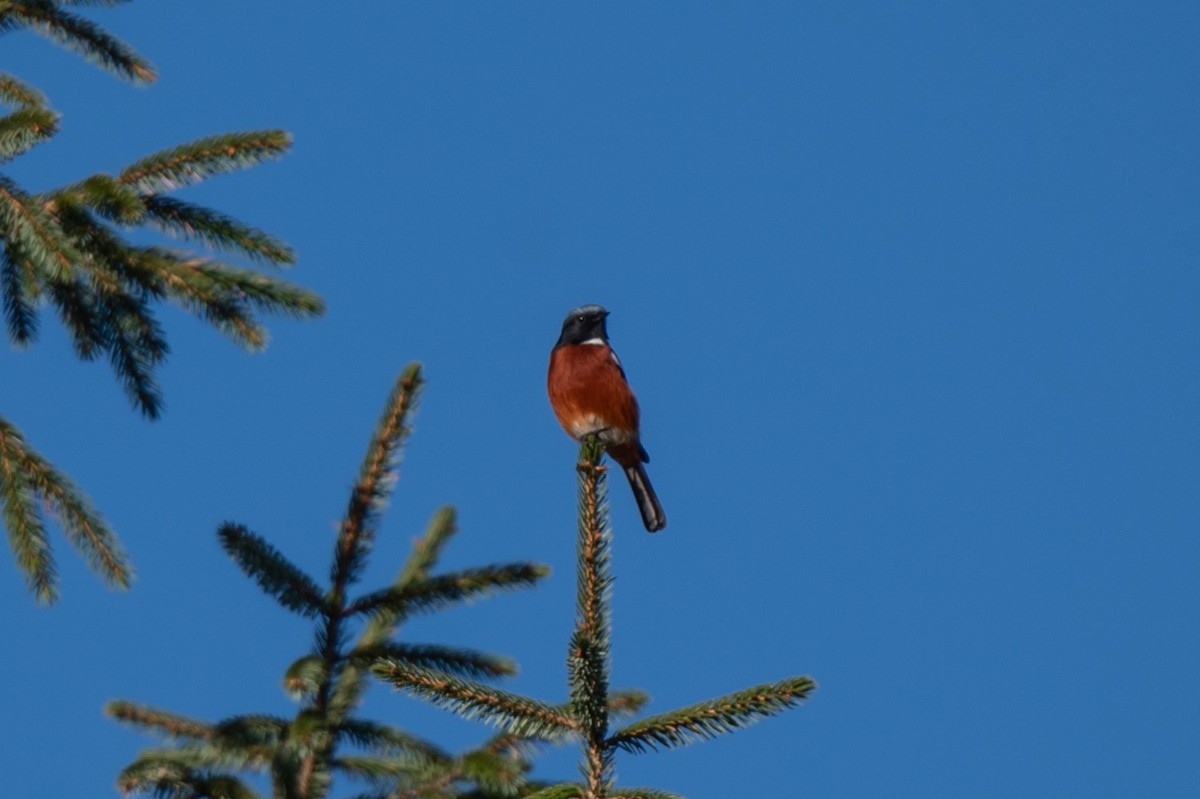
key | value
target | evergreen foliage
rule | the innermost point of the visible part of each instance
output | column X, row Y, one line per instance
column 327, row 738
column 67, row 249
column 591, row 707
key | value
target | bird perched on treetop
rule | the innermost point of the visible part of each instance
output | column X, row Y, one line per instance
column 589, row 394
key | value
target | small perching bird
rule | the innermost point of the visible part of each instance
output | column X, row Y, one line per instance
column 589, row 394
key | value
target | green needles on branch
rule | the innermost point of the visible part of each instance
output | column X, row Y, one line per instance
column 592, row 706
column 67, row 249
column 51, row 19
column 327, row 739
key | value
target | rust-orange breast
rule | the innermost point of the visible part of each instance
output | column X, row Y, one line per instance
column 589, row 393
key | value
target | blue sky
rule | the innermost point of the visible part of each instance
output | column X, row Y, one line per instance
column 908, row 293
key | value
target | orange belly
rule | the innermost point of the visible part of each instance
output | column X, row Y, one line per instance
column 589, row 394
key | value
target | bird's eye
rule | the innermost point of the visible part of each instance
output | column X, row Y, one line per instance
column 579, row 318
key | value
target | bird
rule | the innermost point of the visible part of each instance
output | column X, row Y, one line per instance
column 590, row 395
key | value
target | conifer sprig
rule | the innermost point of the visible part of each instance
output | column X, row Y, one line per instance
column 216, row 230
column 709, row 719
column 32, row 234
column 169, row 725
column 516, row 714
column 563, row 790
column 438, row 592
column 31, row 121
column 66, row 249
column 452, row 660
column 18, row 93
column 167, row 778
column 588, row 655
column 592, row 705
column 327, row 739
column 77, row 33
column 391, row 740
column 274, row 573
column 626, row 703
column 190, row 163
column 426, row 551
column 60, row 245
column 29, row 483
column 375, row 480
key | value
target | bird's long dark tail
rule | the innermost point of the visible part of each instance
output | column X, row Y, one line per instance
column 652, row 512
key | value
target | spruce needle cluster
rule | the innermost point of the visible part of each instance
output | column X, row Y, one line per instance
column 592, row 706
column 67, row 249
column 355, row 633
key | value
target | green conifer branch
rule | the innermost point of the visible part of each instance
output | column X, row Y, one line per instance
column 24, row 129
column 239, row 742
column 101, row 310
column 588, row 666
column 78, row 310
column 563, row 790
column 577, row 791
column 303, row 756
column 302, row 767
column 627, row 702
column 437, row 783
column 252, row 736
column 229, row 284
column 493, row 772
column 452, row 660
column 712, row 718
column 107, row 196
column 391, row 740
column 20, row 293
column 17, row 93
column 446, row 589
column 224, row 786
column 216, row 230
column 507, row 755
column 136, row 345
column 172, row 726
column 30, row 233
column 160, row 777
column 105, row 3
column 426, row 551
column 78, row 34
column 383, row 622
column 588, row 654
column 376, row 478
column 58, row 246
column 193, row 162
column 26, row 475
column 220, row 295
column 274, row 573
column 356, row 533
column 180, row 773
column 382, row 770
column 304, row 677
column 511, row 712
column 23, row 521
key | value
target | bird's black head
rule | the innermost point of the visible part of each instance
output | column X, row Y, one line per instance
column 585, row 323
